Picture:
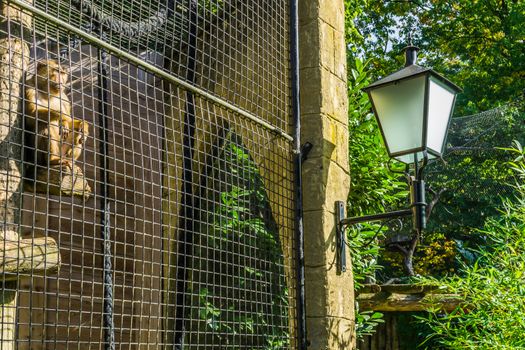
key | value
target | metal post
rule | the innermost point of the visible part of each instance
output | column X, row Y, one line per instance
column 296, row 110
column 417, row 203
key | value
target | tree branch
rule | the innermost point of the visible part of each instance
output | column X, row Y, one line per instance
column 434, row 201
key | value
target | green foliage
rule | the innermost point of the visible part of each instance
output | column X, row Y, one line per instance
column 353, row 9
column 366, row 322
column 373, row 186
column 213, row 6
column 494, row 286
column 477, row 44
column 476, row 180
column 435, row 256
column 481, row 43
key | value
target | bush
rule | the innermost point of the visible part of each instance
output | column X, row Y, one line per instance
column 494, row 286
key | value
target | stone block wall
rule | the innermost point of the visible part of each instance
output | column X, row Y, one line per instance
column 324, row 108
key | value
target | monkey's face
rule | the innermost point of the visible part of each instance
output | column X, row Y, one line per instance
column 61, row 76
column 52, row 74
column 58, row 77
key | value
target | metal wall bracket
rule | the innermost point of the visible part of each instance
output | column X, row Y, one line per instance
column 340, row 240
column 305, row 150
column 342, row 222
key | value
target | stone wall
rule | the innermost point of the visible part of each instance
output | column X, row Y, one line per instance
column 14, row 57
column 324, row 108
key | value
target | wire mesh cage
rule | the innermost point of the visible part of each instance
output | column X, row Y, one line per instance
column 150, row 175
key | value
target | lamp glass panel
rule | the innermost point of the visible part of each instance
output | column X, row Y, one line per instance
column 409, row 158
column 400, row 107
column 440, row 104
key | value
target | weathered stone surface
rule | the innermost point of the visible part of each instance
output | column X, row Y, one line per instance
column 318, row 332
column 324, row 106
column 328, row 293
column 14, row 13
column 315, row 173
column 14, row 56
column 324, row 183
column 412, row 302
column 345, row 330
column 316, row 291
column 340, row 55
column 341, row 156
column 331, row 100
column 317, row 224
column 311, row 93
column 28, row 257
column 327, row 46
column 308, row 37
column 340, row 289
column 14, row 59
column 60, row 179
column 335, row 98
column 309, row 11
column 324, row 133
column 330, row 333
column 337, row 188
column 332, row 12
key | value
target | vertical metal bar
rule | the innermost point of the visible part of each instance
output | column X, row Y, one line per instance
column 299, row 229
column 109, row 327
column 187, row 208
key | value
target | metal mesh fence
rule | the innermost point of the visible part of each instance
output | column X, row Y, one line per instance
column 153, row 149
column 474, row 175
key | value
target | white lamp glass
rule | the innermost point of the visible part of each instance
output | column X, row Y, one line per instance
column 440, row 103
column 400, row 109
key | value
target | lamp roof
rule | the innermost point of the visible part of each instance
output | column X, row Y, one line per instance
column 410, row 72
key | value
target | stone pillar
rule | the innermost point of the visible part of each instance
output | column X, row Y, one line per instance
column 324, row 108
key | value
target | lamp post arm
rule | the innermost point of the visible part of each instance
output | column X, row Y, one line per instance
column 342, row 222
column 418, row 210
column 375, row 217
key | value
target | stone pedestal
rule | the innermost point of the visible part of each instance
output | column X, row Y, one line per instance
column 62, row 180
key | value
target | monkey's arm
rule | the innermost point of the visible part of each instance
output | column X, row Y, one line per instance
column 48, row 144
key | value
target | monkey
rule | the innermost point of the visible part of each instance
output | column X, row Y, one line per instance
column 45, row 91
column 58, row 137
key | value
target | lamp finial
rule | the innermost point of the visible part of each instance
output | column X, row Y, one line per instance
column 410, row 52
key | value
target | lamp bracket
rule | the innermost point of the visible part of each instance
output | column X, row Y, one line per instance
column 340, row 239
column 417, row 210
column 343, row 223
